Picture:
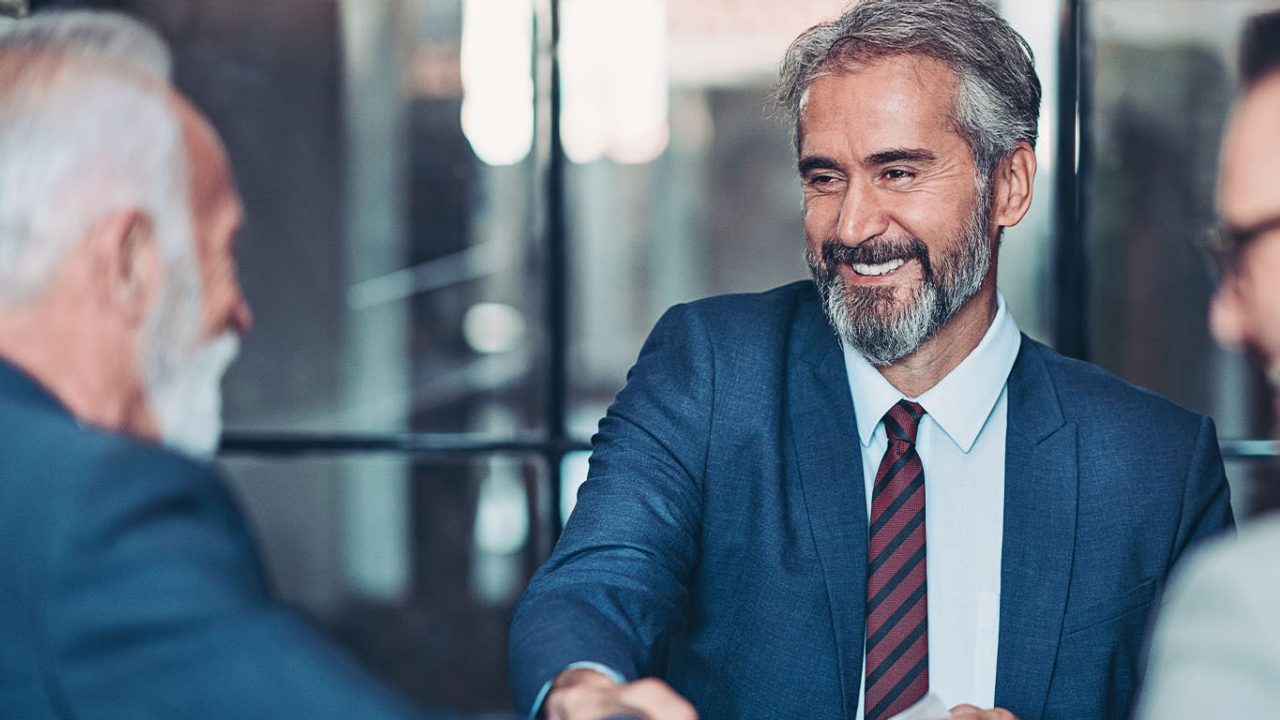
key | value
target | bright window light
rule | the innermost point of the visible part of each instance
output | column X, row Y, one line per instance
column 614, row 65
column 497, row 79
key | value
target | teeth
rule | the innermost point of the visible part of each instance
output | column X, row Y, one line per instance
column 882, row 269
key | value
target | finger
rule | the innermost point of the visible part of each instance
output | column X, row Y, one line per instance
column 582, row 703
column 655, row 700
column 970, row 712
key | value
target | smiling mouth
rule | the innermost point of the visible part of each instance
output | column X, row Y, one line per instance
column 876, row 270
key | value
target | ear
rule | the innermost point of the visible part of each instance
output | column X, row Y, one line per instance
column 1014, row 179
column 126, row 265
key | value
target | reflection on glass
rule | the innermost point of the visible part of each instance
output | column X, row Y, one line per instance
column 573, row 474
column 464, row 547
column 614, row 66
column 493, row 328
column 497, row 79
column 501, row 532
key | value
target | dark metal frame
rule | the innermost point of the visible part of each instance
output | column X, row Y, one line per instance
column 1071, row 291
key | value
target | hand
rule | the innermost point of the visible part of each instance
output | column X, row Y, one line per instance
column 583, row 694
column 969, row 712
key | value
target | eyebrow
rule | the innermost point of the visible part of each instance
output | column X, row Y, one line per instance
column 885, row 157
column 816, row 162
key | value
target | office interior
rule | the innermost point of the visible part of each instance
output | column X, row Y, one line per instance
column 464, row 216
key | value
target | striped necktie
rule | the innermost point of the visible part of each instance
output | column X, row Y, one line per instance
column 897, row 668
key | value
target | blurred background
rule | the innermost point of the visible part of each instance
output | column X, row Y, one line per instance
column 465, row 216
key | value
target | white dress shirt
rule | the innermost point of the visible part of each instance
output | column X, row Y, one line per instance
column 961, row 442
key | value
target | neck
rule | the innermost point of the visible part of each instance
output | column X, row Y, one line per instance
column 69, row 361
column 937, row 356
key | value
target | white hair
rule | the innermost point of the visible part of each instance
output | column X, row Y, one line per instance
column 94, row 35
column 86, row 130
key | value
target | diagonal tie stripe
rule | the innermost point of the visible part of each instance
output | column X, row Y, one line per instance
column 887, row 513
column 914, row 684
column 878, row 595
column 913, row 641
column 897, row 614
column 883, row 553
column 890, row 631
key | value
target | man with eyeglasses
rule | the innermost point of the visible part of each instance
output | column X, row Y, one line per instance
column 1216, row 650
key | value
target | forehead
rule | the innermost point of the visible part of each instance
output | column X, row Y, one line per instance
column 213, row 194
column 894, row 101
column 1249, row 187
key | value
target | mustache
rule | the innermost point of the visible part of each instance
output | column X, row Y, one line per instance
column 875, row 252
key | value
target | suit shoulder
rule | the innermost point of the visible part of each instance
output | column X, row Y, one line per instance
column 64, row 459
column 1088, row 391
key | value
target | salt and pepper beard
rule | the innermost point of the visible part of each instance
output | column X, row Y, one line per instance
column 870, row 319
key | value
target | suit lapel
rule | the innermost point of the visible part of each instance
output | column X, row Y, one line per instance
column 1039, row 535
column 829, row 462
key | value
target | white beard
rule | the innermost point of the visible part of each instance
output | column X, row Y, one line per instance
column 183, row 373
column 188, row 407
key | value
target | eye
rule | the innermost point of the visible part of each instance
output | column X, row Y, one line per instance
column 897, row 174
column 823, row 182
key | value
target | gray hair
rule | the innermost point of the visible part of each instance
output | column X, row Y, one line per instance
column 95, row 36
column 997, row 102
column 86, row 129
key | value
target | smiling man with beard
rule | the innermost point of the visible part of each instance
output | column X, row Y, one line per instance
column 843, row 497
column 129, row 585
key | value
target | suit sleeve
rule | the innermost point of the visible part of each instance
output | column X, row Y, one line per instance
column 154, row 606
column 1214, row 650
column 615, row 588
column 1206, row 503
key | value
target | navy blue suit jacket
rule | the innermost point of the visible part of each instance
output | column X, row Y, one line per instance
column 130, row 589
column 720, row 540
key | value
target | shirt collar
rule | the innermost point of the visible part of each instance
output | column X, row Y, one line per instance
column 961, row 402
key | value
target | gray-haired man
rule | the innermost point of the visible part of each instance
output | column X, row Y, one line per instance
column 754, row 526
column 129, row 586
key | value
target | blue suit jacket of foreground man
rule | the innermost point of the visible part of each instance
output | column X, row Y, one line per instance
column 721, row 539
column 130, row 587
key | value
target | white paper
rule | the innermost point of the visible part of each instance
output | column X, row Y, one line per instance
column 929, row 708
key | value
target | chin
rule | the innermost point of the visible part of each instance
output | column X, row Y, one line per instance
column 189, row 404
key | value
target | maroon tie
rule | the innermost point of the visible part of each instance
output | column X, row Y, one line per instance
column 897, row 668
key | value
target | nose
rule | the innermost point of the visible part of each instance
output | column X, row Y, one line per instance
column 862, row 214
column 241, row 315
column 1227, row 319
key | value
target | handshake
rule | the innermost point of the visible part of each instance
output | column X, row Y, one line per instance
column 585, row 694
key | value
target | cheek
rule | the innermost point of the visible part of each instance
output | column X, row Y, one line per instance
column 1262, row 315
column 821, row 213
column 1262, row 295
column 933, row 219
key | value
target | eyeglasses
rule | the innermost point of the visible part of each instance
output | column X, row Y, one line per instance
column 1224, row 246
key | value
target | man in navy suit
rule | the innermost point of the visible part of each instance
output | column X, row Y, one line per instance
column 129, row 586
column 848, row 497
